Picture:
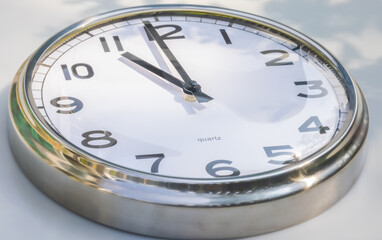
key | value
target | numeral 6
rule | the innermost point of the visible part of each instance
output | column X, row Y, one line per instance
column 222, row 171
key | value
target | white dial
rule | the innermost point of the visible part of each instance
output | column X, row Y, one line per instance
column 119, row 92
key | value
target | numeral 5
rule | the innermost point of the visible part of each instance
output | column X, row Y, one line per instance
column 276, row 151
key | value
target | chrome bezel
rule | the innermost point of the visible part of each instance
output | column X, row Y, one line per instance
column 42, row 154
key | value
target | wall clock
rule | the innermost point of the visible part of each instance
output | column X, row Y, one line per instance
column 184, row 121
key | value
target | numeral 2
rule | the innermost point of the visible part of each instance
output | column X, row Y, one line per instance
column 277, row 61
column 168, row 35
column 79, row 70
column 159, row 157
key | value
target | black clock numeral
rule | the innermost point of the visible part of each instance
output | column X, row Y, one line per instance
column 168, row 35
column 225, row 36
column 312, row 85
column 66, row 72
column 159, row 157
column 277, row 61
column 79, row 70
column 106, row 47
column 221, row 171
column 69, row 105
column 317, row 126
column 275, row 151
column 98, row 139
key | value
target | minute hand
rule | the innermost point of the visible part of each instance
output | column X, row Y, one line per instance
column 191, row 87
column 167, row 52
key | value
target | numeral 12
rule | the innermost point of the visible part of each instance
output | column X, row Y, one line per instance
column 169, row 35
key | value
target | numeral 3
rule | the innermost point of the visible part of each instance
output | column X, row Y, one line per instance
column 313, row 85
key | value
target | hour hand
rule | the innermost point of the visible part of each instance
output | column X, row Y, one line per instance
column 188, row 88
column 153, row 69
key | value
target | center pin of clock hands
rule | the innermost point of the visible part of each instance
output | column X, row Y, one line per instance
column 191, row 88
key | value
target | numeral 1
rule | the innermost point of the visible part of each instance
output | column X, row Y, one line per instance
column 106, row 47
column 225, row 36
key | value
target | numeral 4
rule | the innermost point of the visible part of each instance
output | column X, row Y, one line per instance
column 313, row 124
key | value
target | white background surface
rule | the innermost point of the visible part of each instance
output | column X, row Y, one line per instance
column 351, row 29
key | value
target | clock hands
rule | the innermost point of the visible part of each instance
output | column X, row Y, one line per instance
column 153, row 69
column 190, row 87
column 202, row 97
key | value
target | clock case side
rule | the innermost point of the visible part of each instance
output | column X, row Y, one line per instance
column 174, row 207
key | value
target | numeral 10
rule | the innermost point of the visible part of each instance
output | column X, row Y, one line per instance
column 79, row 70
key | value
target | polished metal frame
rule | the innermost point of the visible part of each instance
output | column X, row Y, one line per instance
column 184, row 208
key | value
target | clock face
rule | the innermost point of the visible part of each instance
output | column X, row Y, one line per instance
column 121, row 91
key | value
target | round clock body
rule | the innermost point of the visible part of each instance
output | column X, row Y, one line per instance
column 185, row 121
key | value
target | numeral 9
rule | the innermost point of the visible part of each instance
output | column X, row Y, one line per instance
column 71, row 104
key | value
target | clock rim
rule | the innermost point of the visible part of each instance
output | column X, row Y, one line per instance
column 340, row 160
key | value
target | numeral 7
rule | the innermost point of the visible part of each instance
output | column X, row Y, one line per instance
column 159, row 157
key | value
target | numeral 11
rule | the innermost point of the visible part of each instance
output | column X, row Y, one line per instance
column 105, row 44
